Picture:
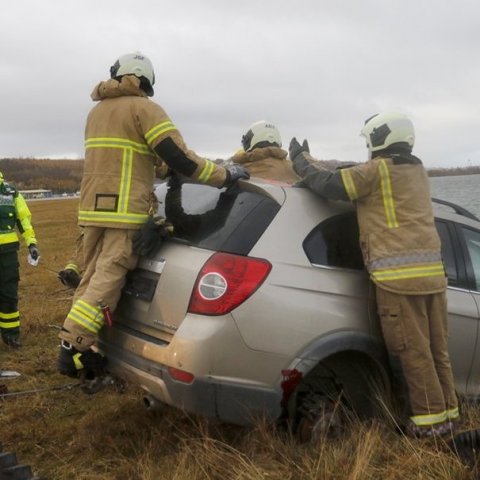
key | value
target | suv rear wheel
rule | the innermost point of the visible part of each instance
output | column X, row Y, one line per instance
column 320, row 417
column 346, row 386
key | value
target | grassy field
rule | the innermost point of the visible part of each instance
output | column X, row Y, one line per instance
column 69, row 435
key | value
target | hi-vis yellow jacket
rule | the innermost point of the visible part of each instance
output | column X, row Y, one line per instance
column 269, row 163
column 14, row 212
column 400, row 245
column 127, row 135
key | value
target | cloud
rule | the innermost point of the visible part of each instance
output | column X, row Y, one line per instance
column 316, row 69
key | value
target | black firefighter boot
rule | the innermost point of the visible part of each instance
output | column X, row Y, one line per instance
column 69, row 277
column 11, row 337
column 74, row 363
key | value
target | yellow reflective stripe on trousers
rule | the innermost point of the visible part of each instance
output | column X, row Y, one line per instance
column 453, row 413
column 158, row 130
column 10, row 324
column 9, row 320
column 125, row 181
column 72, row 266
column 349, row 184
column 409, row 272
column 89, row 317
column 103, row 217
column 9, row 316
column 9, row 237
column 429, row 419
column 113, row 142
column 388, row 203
column 207, row 171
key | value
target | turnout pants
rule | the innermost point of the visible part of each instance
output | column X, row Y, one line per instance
column 108, row 256
column 9, row 278
column 415, row 331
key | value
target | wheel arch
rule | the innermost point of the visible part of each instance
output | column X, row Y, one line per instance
column 354, row 363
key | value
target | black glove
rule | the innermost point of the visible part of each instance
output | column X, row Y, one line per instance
column 33, row 250
column 296, row 149
column 89, row 363
column 148, row 240
column 70, row 278
column 235, row 173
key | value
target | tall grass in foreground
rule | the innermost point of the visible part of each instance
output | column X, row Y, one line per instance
column 69, row 435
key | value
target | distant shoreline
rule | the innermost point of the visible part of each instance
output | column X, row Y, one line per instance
column 449, row 172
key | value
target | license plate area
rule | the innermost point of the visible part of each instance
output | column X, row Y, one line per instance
column 141, row 285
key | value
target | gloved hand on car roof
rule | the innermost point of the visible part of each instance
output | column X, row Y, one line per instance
column 296, row 149
column 235, row 173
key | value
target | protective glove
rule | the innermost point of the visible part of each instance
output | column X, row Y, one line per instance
column 235, row 173
column 73, row 363
column 34, row 253
column 296, row 149
column 148, row 240
column 70, row 278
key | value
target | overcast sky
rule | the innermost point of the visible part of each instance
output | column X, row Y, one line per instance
column 315, row 68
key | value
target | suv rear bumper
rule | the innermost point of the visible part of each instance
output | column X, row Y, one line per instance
column 214, row 397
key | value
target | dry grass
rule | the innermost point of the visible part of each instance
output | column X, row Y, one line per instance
column 70, row 435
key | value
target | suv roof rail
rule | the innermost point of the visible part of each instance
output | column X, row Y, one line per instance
column 457, row 209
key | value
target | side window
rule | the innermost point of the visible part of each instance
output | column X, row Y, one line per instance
column 334, row 243
column 472, row 242
column 448, row 252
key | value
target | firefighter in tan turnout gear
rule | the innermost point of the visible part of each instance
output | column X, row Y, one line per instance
column 126, row 137
column 14, row 214
column 263, row 156
column 401, row 251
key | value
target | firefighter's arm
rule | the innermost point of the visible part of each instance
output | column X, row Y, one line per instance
column 173, row 152
column 167, row 143
column 24, row 218
column 320, row 177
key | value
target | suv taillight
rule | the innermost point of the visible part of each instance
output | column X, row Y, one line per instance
column 226, row 281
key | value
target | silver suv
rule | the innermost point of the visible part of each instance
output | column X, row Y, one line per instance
column 260, row 306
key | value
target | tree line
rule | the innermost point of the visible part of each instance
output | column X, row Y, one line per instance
column 65, row 175
column 30, row 174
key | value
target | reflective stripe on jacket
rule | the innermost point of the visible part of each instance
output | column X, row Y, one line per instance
column 400, row 245
column 121, row 134
column 14, row 212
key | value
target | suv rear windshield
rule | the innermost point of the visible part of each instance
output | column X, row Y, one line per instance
column 213, row 218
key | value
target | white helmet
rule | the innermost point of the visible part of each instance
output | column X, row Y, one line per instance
column 135, row 64
column 385, row 129
column 261, row 134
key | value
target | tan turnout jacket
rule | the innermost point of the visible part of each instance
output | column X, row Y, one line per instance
column 121, row 132
column 269, row 163
column 400, row 245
